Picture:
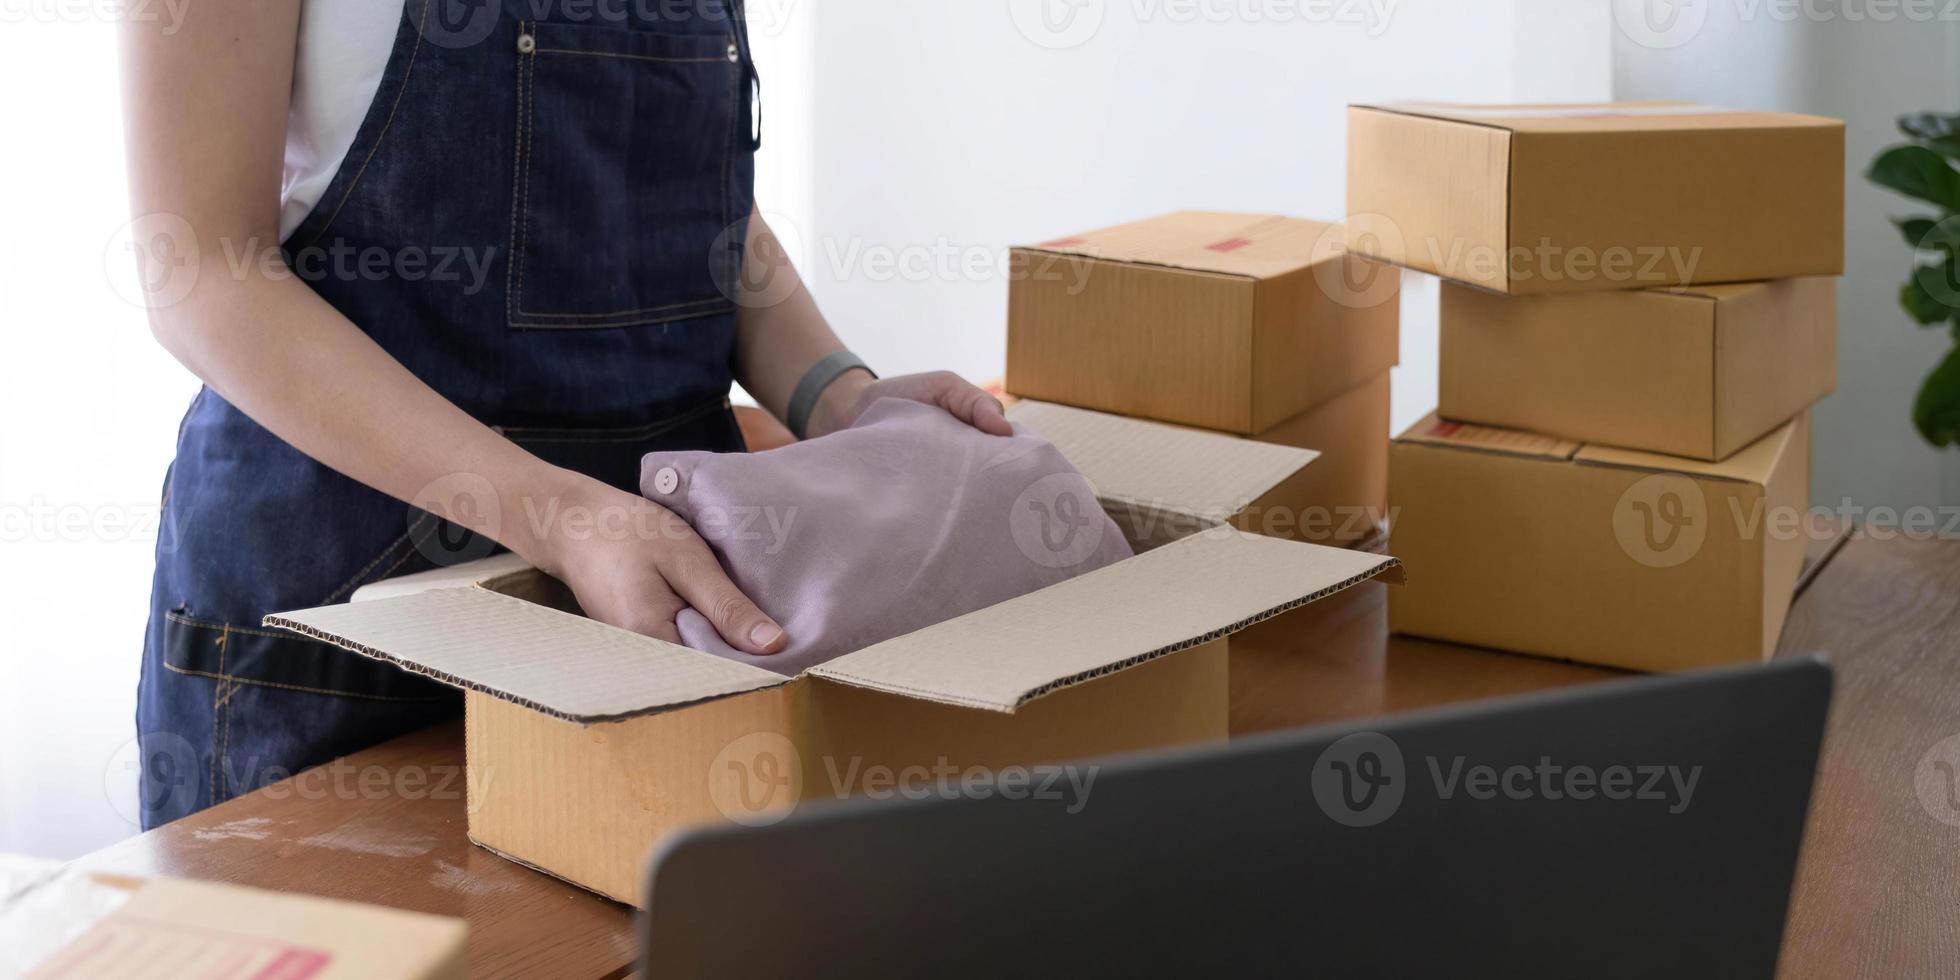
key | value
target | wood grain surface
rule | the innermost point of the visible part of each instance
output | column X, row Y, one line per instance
column 356, row 830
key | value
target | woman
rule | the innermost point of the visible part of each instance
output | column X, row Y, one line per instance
column 518, row 251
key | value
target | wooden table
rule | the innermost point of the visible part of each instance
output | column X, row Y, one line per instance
column 1878, row 894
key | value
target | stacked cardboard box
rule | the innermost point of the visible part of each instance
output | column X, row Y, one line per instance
column 1636, row 316
column 1256, row 326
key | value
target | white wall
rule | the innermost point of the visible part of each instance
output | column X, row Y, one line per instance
column 88, row 414
column 943, row 133
column 1841, row 59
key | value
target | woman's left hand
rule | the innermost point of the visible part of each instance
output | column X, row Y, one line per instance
column 850, row 395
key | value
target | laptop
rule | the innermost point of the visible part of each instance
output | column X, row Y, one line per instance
column 1638, row 828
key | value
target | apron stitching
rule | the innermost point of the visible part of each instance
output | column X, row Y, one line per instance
column 217, row 751
column 407, row 71
column 237, row 680
column 609, row 324
column 634, row 57
column 715, row 301
column 727, row 153
column 534, row 435
column 517, row 171
column 528, row 119
column 224, row 752
column 183, row 620
column 348, row 586
column 406, row 555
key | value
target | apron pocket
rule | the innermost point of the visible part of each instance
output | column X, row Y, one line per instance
column 621, row 186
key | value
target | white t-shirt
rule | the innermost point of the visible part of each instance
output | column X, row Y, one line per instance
column 343, row 48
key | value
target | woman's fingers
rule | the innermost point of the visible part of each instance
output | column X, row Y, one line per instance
column 971, row 405
column 987, row 415
column 693, row 573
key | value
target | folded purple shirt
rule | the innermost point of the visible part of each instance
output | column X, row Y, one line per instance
column 909, row 517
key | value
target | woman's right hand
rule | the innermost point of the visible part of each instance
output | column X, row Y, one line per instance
column 635, row 564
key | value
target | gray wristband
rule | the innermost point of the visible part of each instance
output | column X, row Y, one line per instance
column 803, row 400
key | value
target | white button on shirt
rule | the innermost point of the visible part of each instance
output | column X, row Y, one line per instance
column 666, row 480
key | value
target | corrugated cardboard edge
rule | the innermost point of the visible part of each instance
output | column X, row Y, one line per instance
column 1069, row 428
column 281, row 621
column 1389, row 570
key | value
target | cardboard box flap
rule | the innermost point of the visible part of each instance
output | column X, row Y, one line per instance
column 1257, row 246
column 458, row 576
column 1714, row 292
column 1188, row 592
column 1649, row 116
column 1135, row 463
column 1751, row 464
column 561, row 664
column 1485, row 438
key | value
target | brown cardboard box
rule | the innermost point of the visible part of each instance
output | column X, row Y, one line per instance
column 1700, row 372
column 1570, row 198
column 1231, row 322
column 588, row 744
column 1530, row 543
column 166, row 927
column 1341, row 499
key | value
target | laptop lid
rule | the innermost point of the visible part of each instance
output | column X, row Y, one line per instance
column 1634, row 828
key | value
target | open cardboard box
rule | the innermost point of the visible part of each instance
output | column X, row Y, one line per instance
column 587, row 744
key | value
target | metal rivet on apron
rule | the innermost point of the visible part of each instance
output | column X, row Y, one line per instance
column 734, row 53
column 666, row 480
column 526, row 44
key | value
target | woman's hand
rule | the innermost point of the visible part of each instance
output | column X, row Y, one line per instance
column 851, row 394
column 635, row 564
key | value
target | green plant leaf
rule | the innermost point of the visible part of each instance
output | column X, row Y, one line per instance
column 1916, row 171
column 1915, row 230
column 1923, row 304
column 1937, row 130
column 1936, row 412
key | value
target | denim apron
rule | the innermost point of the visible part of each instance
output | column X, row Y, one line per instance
column 542, row 217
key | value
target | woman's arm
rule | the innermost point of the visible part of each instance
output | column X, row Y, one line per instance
column 205, row 115
column 780, row 333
